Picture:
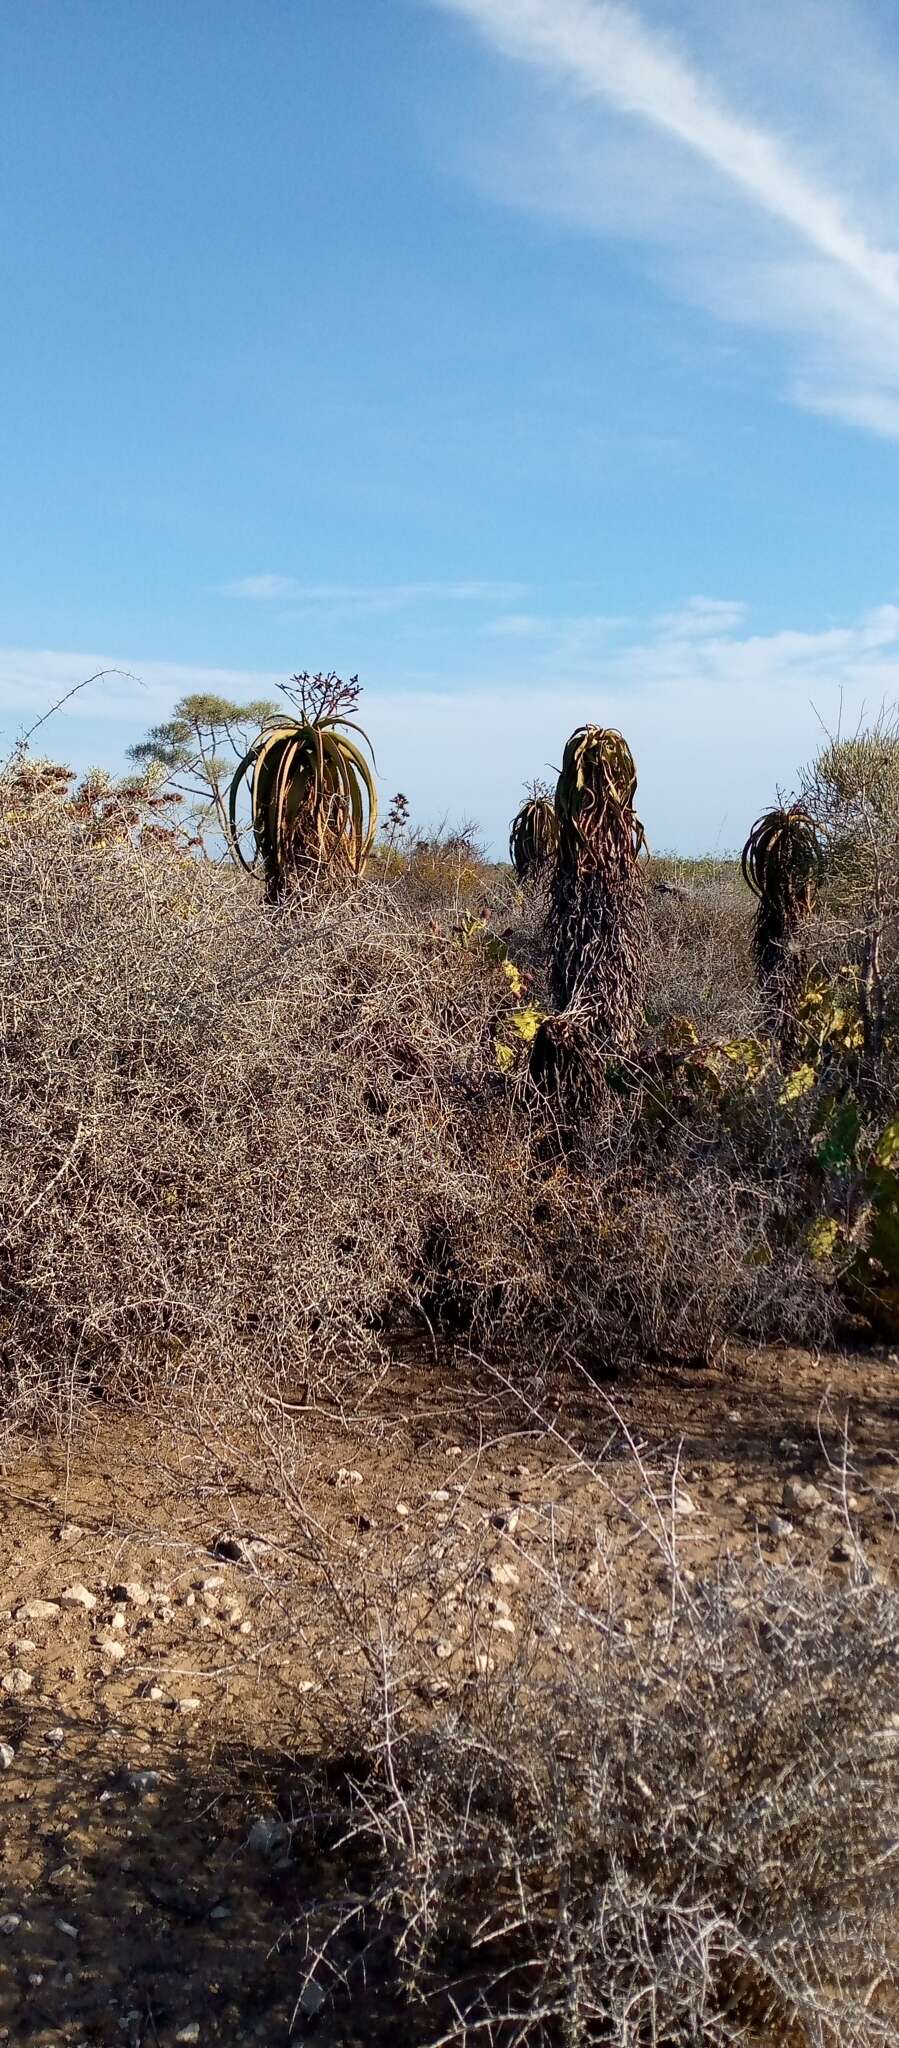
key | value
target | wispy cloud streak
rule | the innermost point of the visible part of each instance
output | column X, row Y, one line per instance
column 816, row 264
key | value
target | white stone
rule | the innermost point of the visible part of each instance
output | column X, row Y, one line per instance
column 78, row 1596
column 17, row 1683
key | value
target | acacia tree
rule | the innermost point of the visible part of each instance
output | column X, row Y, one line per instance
column 197, row 748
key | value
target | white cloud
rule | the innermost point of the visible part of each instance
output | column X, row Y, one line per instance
column 785, row 222
column 719, row 718
column 370, row 597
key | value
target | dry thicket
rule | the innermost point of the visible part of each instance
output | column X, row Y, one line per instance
column 245, row 1142
column 689, row 1838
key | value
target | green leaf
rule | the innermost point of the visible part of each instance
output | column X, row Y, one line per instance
column 841, row 1135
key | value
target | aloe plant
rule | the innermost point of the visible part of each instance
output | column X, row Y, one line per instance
column 782, row 862
column 597, row 914
column 314, row 806
column 534, row 837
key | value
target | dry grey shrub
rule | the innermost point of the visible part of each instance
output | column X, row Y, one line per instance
column 690, row 1837
column 699, row 948
column 244, row 1144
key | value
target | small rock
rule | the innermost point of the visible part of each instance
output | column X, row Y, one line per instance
column 454, row 1451
column 506, row 1519
column 55, row 1737
column 131, row 1594
column 38, row 1610
column 7, row 1756
column 17, row 1683
column 503, row 1625
column 188, row 1706
column 348, row 1478
column 69, row 1533
column 800, row 1497
column 733, row 1415
column 141, row 1783
column 78, row 1596
column 403, row 1510
column 443, row 1650
column 114, row 1650
column 246, row 1628
column 268, row 1835
column 441, row 1494
column 778, row 1527
column 233, row 1614
column 65, row 1927
column 9, row 1922
column 23, row 1648
column 311, row 1999
column 118, row 1620
column 220, row 1913
column 190, row 2032
column 503, row 1575
column 239, row 1549
column 683, row 1505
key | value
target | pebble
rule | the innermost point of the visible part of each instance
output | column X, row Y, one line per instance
column 78, row 1596
column 683, row 1505
column 778, row 1527
column 55, row 1737
column 238, row 1549
column 114, row 1650
column 188, row 1706
column 69, row 1533
column 268, row 1835
column 348, row 1478
column 503, row 1575
column 443, row 1649
column 17, row 1683
column 37, row 1610
column 9, row 1922
column 441, row 1494
column 118, row 1620
column 403, row 1509
column 65, row 1927
column 132, row 1594
column 311, row 2000
column 7, row 1756
column 190, row 2032
column 800, row 1497
column 141, row 1782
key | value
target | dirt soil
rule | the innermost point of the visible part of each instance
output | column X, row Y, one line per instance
column 173, row 1650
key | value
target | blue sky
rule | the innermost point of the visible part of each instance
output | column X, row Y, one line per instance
column 536, row 359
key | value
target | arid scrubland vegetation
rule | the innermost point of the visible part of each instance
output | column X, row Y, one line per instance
column 549, row 1128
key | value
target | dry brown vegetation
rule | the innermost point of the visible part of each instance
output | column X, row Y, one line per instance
column 246, row 1149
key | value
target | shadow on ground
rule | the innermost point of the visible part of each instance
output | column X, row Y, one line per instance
column 149, row 1898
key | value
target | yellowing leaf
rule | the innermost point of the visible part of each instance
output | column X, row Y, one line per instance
column 513, row 976
column 822, row 1237
column 886, row 1151
column 526, row 1023
column 748, row 1053
column 505, row 1057
column 799, row 1083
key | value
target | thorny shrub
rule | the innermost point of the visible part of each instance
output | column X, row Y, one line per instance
column 245, row 1143
column 687, row 1836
